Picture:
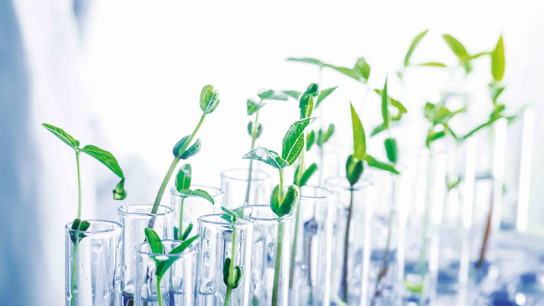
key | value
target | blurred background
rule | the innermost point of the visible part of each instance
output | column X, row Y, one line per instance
column 126, row 76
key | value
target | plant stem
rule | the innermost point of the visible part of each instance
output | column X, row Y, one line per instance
column 277, row 266
column 171, row 171
column 180, row 232
column 278, row 249
column 78, row 186
column 385, row 265
column 487, row 231
column 231, row 278
column 297, row 224
column 346, row 249
column 254, row 132
column 74, row 275
column 159, row 294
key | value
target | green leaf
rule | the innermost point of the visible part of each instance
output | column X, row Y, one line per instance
column 306, row 60
column 359, row 139
column 385, row 108
column 186, row 233
column 497, row 61
column 457, row 47
column 292, row 93
column 372, row 162
column 432, row 64
column 293, row 141
column 306, row 106
column 269, row 157
column 119, row 193
column 226, row 270
column 192, row 150
column 253, row 106
column 307, row 175
column 362, row 68
column 324, row 94
column 391, row 149
column 413, row 46
column 432, row 136
column 184, row 245
column 475, row 56
column 378, row 129
column 62, row 135
column 208, row 99
column 81, row 226
column 452, row 184
column 105, row 158
column 197, row 193
column 323, row 137
column 495, row 90
column 154, row 241
column 183, row 179
column 310, row 140
column 269, row 94
column 354, row 169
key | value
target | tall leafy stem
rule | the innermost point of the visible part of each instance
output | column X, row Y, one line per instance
column 282, row 202
column 354, row 170
column 254, row 128
column 119, row 193
column 183, row 149
column 232, row 273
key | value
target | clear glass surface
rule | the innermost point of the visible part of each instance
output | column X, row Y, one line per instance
column 235, row 183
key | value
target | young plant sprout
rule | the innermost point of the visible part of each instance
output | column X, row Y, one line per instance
column 183, row 149
column 231, row 273
column 282, row 202
column 254, row 128
column 407, row 58
column 119, row 192
column 183, row 185
column 354, row 171
column 162, row 265
column 391, row 149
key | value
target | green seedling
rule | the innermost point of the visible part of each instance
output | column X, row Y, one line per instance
column 254, row 128
column 354, row 170
column 162, row 265
column 282, row 202
column 183, row 186
column 184, row 148
column 232, row 274
column 119, row 192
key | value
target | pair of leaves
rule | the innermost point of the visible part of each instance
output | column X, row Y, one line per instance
column 320, row 139
column 440, row 114
column 461, row 52
column 320, row 97
column 283, row 205
column 235, row 281
column 183, row 185
column 305, row 177
column 360, row 71
column 157, row 249
column 81, row 226
column 209, row 99
column 103, row 156
column 254, row 133
column 181, row 151
column 292, row 146
column 354, row 167
column 232, row 215
column 183, row 236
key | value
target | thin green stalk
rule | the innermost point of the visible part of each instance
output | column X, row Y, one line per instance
column 231, row 268
column 159, row 294
column 279, row 247
column 487, row 229
column 171, row 171
column 74, row 269
column 385, row 265
column 254, row 132
column 277, row 265
column 78, row 186
column 297, row 225
column 346, row 249
column 180, row 232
